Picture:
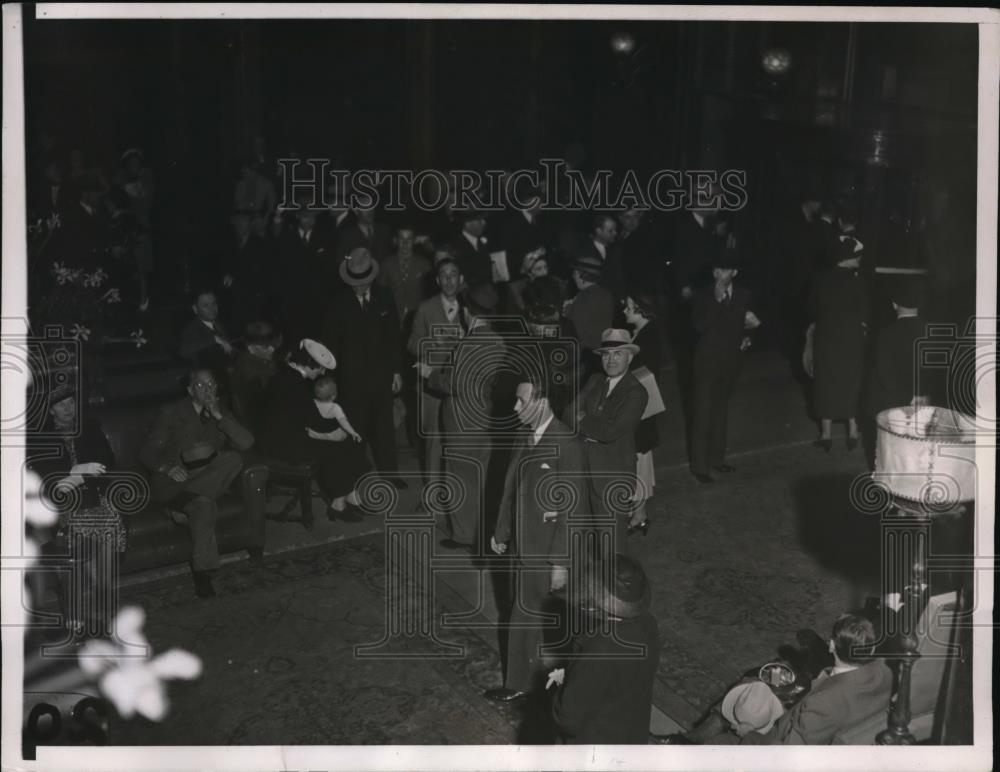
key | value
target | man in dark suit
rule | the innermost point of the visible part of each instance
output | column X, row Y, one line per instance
column 641, row 244
column 602, row 246
column 362, row 331
column 361, row 230
column 606, row 693
column 467, row 389
column 893, row 378
column 309, row 272
column 547, row 456
column 204, row 341
column 608, row 411
column 592, row 311
column 191, row 465
column 522, row 232
column 721, row 317
column 471, row 252
column 695, row 246
column 437, row 326
column 248, row 271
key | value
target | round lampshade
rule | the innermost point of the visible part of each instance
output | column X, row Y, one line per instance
column 927, row 455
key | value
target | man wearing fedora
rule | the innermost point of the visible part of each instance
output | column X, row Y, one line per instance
column 608, row 411
column 466, row 384
column 193, row 455
column 591, row 311
column 605, row 692
column 721, row 318
column 438, row 326
column 362, row 331
column 535, row 522
column 470, row 248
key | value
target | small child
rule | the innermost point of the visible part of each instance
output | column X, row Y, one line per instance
column 324, row 395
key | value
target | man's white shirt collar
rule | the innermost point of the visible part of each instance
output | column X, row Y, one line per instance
column 614, row 382
column 602, row 250
column 471, row 239
column 537, row 434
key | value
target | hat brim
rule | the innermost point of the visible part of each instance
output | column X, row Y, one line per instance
column 356, row 279
column 605, row 600
column 630, row 347
column 320, row 354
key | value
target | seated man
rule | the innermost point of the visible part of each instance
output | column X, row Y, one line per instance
column 853, row 690
column 203, row 341
column 191, row 467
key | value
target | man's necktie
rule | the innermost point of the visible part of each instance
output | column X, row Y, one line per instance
column 364, row 303
column 604, row 395
column 206, row 416
column 451, row 313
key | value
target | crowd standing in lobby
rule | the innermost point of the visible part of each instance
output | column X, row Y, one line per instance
column 323, row 329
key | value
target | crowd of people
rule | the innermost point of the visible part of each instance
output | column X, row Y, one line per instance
column 323, row 330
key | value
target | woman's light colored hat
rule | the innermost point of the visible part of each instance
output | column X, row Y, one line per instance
column 752, row 704
column 320, row 353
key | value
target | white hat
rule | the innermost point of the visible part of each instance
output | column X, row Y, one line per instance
column 323, row 356
column 752, row 704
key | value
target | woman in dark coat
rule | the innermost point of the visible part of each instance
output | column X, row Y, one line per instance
column 74, row 466
column 297, row 431
column 639, row 313
column 840, row 309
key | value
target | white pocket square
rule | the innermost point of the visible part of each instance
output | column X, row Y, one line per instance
column 546, row 466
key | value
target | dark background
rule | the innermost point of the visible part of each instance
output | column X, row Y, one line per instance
column 883, row 115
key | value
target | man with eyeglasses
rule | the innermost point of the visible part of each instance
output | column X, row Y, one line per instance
column 608, row 411
column 193, row 456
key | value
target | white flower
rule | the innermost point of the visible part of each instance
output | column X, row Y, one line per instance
column 134, row 684
column 137, row 336
column 80, row 333
column 37, row 511
column 894, row 601
column 62, row 273
column 95, row 279
column 113, row 295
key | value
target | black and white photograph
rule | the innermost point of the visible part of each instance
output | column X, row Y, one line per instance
column 445, row 386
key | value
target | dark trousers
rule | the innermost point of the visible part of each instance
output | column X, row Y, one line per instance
column 525, row 669
column 371, row 416
column 714, row 380
column 196, row 498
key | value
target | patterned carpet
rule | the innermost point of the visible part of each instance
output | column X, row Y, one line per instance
column 736, row 569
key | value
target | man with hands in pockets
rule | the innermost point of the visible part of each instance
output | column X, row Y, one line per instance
column 541, row 491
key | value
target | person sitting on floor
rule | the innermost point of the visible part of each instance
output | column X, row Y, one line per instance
column 854, row 689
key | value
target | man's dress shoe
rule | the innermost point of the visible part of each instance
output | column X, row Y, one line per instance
column 504, row 695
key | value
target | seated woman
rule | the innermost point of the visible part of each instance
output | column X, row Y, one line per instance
column 292, row 413
column 73, row 459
